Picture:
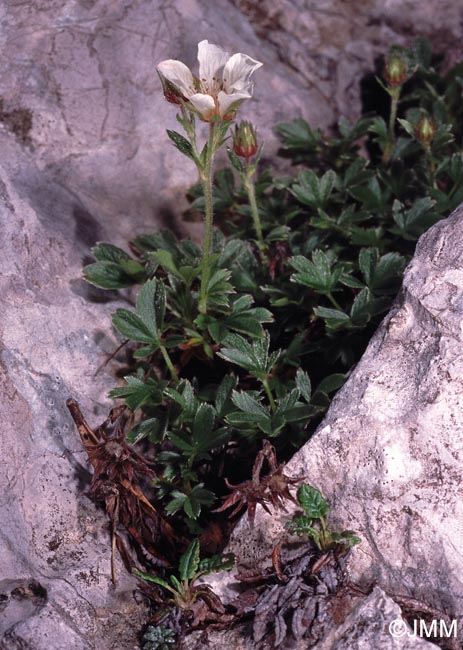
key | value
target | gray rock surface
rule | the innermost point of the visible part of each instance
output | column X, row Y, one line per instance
column 388, row 454
column 85, row 158
column 368, row 626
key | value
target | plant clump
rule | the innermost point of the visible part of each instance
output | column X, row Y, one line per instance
column 234, row 349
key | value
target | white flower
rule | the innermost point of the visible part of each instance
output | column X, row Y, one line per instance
column 223, row 83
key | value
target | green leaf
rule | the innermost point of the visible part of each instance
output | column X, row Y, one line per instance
column 303, row 384
column 347, row 538
column 334, row 319
column 132, row 327
column 150, row 428
column 235, row 160
column 217, row 563
column 255, row 358
column 313, row 191
column 331, row 383
column 149, row 578
column 300, row 526
column 189, row 561
column 138, row 392
column 151, row 306
column 224, row 392
column 108, row 275
column 252, row 414
column 166, row 260
column 181, row 143
column 176, row 503
column 312, row 501
column 317, row 274
column 203, row 422
column 298, row 136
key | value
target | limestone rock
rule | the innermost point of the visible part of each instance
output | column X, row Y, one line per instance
column 388, row 453
column 85, row 158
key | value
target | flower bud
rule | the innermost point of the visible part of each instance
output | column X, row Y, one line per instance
column 396, row 70
column 425, row 130
column 171, row 92
column 245, row 140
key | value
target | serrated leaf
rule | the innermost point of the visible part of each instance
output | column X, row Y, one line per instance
column 132, row 327
column 304, row 385
column 333, row 318
column 312, row 501
column 316, row 274
column 151, row 305
column 150, row 428
column 203, row 422
column 107, row 275
column 138, row 392
column 223, row 393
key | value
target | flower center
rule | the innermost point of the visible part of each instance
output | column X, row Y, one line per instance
column 212, row 86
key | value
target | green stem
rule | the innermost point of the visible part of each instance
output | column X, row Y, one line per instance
column 169, row 363
column 206, row 179
column 334, row 302
column 269, row 394
column 250, row 188
column 431, row 167
column 395, row 95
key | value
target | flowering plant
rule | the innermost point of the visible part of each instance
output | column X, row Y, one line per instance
column 238, row 347
column 223, row 84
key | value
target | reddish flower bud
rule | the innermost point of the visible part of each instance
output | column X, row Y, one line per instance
column 245, row 140
column 425, row 130
column 171, row 92
column 396, row 71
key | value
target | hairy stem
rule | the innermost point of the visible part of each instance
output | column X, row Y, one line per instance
column 334, row 302
column 206, row 179
column 395, row 95
column 269, row 394
column 250, row 189
column 169, row 363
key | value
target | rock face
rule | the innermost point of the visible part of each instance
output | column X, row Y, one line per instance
column 85, row 158
column 388, row 454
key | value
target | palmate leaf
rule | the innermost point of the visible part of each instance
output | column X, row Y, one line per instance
column 381, row 273
column 299, row 136
column 318, row 274
column 144, row 326
column 138, row 392
column 252, row 357
column 313, row 191
column 251, row 413
column 197, row 498
column 114, row 268
column 243, row 318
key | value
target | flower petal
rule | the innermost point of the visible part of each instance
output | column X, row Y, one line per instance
column 211, row 62
column 229, row 102
column 204, row 104
column 237, row 72
column 179, row 75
